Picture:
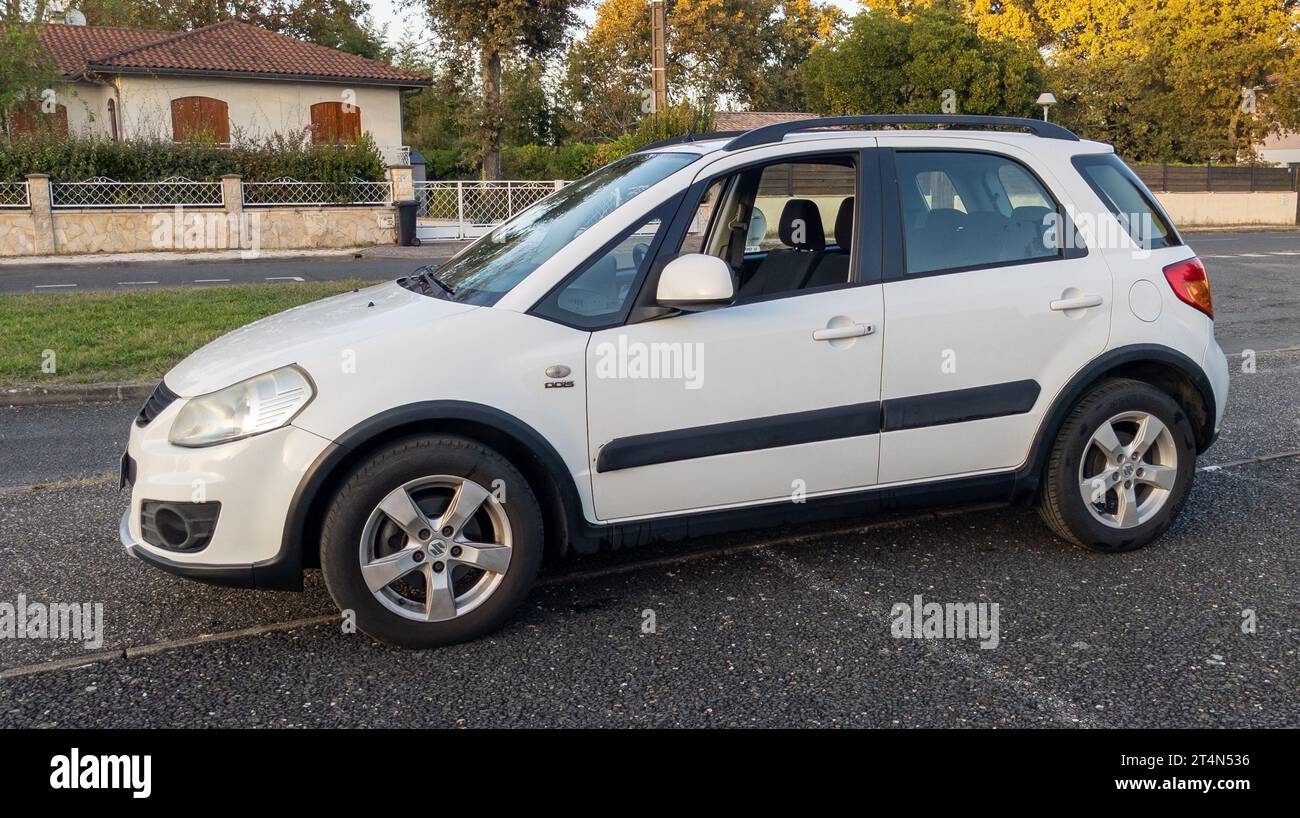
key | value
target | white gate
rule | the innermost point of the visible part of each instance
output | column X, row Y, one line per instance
column 466, row 210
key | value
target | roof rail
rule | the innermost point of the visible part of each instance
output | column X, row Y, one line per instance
column 699, row 137
column 778, row 131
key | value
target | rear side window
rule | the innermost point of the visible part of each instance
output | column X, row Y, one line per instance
column 965, row 209
column 1127, row 199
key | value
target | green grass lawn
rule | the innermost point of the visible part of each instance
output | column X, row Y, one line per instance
column 135, row 335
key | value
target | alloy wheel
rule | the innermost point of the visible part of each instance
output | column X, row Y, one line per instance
column 435, row 548
column 1128, row 469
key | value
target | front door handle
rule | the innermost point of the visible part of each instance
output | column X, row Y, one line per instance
column 848, row 331
column 1077, row 303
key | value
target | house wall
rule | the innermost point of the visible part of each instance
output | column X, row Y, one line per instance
column 87, row 106
column 258, row 108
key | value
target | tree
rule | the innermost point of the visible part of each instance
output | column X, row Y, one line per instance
column 1159, row 79
column 886, row 64
column 25, row 69
column 498, row 30
column 1175, row 79
column 744, row 52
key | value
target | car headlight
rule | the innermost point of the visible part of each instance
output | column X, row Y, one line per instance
column 250, row 407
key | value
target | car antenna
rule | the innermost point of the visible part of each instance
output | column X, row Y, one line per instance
column 695, row 121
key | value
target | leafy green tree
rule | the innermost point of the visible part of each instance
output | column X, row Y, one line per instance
column 1179, row 80
column 497, row 30
column 741, row 52
column 1160, row 79
column 886, row 64
column 25, row 69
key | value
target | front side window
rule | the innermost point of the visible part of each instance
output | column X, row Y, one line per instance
column 1127, row 199
column 598, row 295
column 963, row 209
column 486, row 270
column 783, row 228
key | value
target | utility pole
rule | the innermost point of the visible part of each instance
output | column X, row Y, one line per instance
column 658, row 56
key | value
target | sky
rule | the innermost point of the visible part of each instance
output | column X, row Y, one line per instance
column 391, row 13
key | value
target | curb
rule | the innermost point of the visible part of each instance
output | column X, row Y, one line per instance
column 74, row 393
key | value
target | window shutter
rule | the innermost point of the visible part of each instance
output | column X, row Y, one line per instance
column 28, row 119
column 330, row 123
column 200, row 117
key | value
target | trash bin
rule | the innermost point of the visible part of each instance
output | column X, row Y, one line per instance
column 406, row 224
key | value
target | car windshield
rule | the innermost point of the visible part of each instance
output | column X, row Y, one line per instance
column 489, row 268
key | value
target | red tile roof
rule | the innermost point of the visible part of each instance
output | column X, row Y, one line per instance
column 71, row 47
column 228, row 47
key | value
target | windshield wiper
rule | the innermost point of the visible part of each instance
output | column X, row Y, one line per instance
column 427, row 278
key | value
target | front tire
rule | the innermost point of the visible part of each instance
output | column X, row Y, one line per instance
column 431, row 541
column 1120, row 468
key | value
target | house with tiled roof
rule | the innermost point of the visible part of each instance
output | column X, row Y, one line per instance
column 222, row 81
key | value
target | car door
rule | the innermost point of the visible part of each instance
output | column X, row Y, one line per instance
column 990, row 311
column 773, row 398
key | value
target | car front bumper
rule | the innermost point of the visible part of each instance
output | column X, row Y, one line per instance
column 255, row 481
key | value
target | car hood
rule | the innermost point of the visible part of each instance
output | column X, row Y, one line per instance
column 299, row 334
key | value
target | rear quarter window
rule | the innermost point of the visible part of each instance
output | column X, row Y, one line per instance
column 1124, row 195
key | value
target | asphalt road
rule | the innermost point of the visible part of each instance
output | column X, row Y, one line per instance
column 60, row 278
column 788, row 627
column 785, row 627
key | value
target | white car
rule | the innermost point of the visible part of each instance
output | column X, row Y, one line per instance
column 715, row 333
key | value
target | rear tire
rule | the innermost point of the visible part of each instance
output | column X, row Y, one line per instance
column 1120, row 468
column 431, row 541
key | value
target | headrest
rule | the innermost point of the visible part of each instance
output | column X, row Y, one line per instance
column 945, row 218
column 1030, row 213
column 844, row 225
column 811, row 234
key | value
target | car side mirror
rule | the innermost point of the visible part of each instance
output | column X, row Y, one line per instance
column 695, row 282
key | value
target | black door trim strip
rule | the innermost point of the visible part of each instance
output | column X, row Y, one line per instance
column 959, row 405
column 855, row 420
column 747, row 435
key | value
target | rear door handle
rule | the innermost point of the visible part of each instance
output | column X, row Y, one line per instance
column 1078, row 303
column 850, row 331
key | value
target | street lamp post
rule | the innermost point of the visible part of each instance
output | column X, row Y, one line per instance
column 1046, row 99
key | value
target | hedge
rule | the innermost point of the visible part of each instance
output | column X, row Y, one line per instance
column 75, row 159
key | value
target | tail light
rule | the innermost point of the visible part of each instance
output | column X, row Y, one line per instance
column 1191, row 284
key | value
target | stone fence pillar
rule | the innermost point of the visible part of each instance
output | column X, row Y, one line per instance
column 38, row 198
column 403, row 183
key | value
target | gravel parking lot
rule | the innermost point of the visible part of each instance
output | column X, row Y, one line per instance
column 786, row 627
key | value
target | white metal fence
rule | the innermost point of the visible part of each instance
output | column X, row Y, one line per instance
column 288, row 192
column 104, row 192
column 13, row 194
column 462, row 210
